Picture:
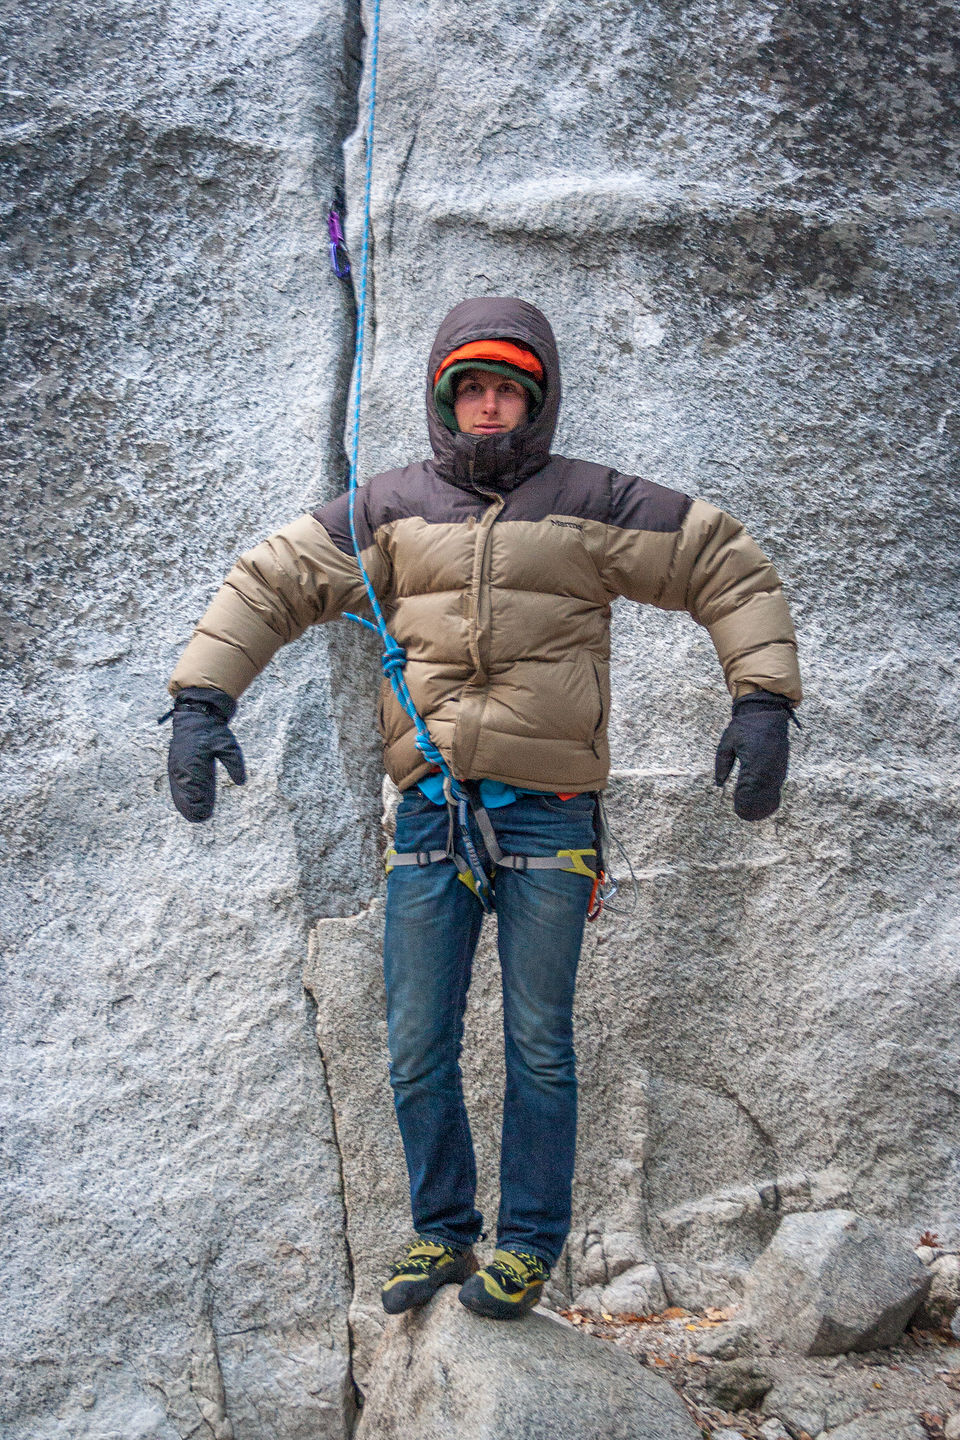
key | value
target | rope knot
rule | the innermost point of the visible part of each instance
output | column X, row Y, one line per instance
column 394, row 657
column 428, row 749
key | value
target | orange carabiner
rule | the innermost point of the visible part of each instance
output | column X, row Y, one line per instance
column 595, row 903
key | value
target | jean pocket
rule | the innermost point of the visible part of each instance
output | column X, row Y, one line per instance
column 577, row 804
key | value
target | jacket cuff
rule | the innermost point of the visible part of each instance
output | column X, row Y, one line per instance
column 214, row 702
column 763, row 700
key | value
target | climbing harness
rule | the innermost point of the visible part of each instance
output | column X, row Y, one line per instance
column 461, row 803
column 572, row 861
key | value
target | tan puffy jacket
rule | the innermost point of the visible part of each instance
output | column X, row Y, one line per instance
column 496, row 563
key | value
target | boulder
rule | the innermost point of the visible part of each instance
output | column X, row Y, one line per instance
column 638, row 1291
column 700, row 1286
column 440, row 1371
column 725, row 1342
column 607, row 1255
column 943, row 1298
column 832, row 1281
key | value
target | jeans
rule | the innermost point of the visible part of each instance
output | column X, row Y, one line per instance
column 432, row 928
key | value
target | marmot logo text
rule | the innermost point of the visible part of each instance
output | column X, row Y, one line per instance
column 567, row 524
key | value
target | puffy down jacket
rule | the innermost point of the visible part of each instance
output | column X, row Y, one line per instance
column 496, row 563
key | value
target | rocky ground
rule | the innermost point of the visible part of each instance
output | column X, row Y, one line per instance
column 908, row 1392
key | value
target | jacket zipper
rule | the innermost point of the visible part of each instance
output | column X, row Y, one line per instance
column 484, row 532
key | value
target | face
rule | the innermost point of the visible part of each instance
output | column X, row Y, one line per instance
column 486, row 403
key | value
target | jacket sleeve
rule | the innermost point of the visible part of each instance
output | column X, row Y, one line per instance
column 305, row 574
column 680, row 554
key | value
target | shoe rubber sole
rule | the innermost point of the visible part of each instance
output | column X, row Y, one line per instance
column 410, row 1293
column 474, row 1295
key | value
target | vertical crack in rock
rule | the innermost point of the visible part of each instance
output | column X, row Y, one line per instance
column 345, row 650
column 206, row 1373
column 332, row 189
column 398, row 186
column 352, row 1418
column 765, row 1136
column 353, row 69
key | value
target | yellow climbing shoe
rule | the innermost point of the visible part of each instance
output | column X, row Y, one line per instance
column 508, row 1287
column 426, row 1266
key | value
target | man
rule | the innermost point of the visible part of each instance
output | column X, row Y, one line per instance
column 496, row 562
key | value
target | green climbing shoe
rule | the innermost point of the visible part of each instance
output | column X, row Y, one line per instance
column 508, row 1287
column 426, row 1266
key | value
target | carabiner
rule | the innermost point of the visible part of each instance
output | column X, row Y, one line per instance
column 339, row 260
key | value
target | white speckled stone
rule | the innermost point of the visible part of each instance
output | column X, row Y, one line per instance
column 832, row 1282
column 742, row 221
column 441, row 1371
column 174, row 1254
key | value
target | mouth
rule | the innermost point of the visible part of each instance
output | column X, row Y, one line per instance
column 489, row 429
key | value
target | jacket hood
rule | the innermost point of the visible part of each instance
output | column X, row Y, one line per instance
column 498, row 462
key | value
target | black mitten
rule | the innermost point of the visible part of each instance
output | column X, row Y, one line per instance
column 757, row 737
column 201, row 736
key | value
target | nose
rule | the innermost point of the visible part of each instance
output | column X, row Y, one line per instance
column 490, row 399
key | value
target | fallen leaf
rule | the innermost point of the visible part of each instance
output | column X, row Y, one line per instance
column 929, row 1238
column 674, row 1312
column 712, row 1313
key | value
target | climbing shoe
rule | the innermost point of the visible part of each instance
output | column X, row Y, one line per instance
column 426, row 1266
column 508, row 1287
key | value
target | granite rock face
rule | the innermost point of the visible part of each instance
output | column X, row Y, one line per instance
column 832, row 1282
column 174, row 1255
column 742, row 221
column 441, row 1371
column 737, row 220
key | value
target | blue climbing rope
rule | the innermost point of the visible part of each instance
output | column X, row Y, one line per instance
column 394, row 657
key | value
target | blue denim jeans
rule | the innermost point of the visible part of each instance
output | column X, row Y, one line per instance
column 432, row 928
